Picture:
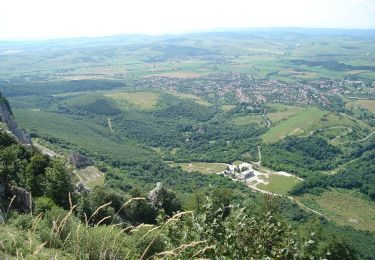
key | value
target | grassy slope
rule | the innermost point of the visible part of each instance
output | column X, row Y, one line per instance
column 283, row 112
column 307, row 120
column 83, row 134
column 250, row 119
column 345, row 207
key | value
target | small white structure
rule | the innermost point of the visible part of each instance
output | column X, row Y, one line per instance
column 241, row 172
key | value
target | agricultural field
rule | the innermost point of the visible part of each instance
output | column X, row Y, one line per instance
column 363, row 103
column 180, row 75
column 346, row 207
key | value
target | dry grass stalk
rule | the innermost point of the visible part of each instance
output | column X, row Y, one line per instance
column 180, row 249
column 175, row 217
column 97, row 210
column 202, row 251
column 103, row 219
column 39, row 248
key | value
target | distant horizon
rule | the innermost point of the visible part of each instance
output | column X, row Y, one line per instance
column 210, row 30
column 46, row 19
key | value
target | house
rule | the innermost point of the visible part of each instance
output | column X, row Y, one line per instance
column 243, row 176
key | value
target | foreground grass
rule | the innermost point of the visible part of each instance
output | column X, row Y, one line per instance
column 345, row 207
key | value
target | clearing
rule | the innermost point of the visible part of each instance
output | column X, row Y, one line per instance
column 142, row 100
column 278, row 183
column 227, row 108
column 202, row 167
column 283, row 112
column 90, row 176
column 250, row 119
column 192, row 97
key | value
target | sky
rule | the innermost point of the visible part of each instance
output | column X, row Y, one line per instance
column 44, row 19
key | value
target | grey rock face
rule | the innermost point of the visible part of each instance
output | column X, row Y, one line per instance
column 79, row 160
column 6, row 117
column 23, row 200
column 154, row 195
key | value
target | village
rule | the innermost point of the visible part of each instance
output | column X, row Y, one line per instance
column 247, row 89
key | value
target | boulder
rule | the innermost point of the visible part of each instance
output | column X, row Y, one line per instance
column 79, row 160
column 23, row 200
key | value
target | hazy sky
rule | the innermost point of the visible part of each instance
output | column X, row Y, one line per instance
column 34, row 19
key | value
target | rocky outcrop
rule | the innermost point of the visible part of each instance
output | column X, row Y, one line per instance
column 154, row 195
column 6, row 116
column 79, row 160
column 23, row 200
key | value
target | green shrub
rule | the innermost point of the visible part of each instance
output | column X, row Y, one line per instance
column 43, row 205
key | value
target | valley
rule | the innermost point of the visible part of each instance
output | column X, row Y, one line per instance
column 289, row 116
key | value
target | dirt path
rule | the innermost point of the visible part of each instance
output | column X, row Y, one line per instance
column 339, row 136
column 110, row 124
column 268, row 122
column 306, row 207
column 367, row 137
column 259, row 156
column 303, row 206
column 45, row 150
column 350, row 130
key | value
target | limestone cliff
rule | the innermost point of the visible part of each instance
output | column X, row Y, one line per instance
column 6, row 116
